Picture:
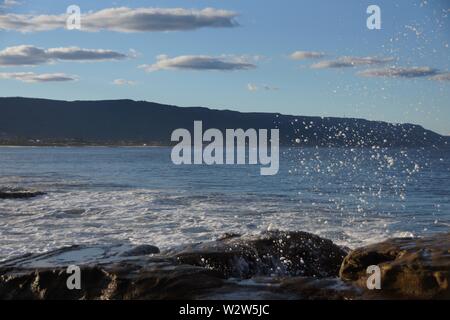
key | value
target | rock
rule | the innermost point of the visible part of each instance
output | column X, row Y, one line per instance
column 105, row 274
column 273, row 265
column 141, row 251
column 14, row 193
column 200, row 271
column 158, row 280
column 308, row 288
column 271, row 253
column 416, row 268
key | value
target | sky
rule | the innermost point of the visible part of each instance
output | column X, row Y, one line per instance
column 309, row 57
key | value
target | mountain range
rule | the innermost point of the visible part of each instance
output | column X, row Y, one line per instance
column 29, row 121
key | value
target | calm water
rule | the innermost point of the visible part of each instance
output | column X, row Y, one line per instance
column 136, row 195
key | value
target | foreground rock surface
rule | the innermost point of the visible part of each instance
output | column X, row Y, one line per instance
column 410, row 267
column 107, row 272
column 275, row 262
column 273, row 265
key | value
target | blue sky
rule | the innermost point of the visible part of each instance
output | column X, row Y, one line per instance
column 248, row 65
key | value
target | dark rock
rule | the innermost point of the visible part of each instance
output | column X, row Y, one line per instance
column 192, row 272
column 410, row 267
column 141, row 251
column 308, row 288
column 49, row 283
column 271, row 253
column 105, row 274
column 14, row 193
column 273, row 265
column 158, row 280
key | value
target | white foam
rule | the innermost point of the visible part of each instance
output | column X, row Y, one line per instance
column 163, row 219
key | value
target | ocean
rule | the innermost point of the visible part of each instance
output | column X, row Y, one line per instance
column 105, row 195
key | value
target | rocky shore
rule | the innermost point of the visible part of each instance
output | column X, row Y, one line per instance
column 273, row 265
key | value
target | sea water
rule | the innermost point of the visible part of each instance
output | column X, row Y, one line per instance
column 102, row 195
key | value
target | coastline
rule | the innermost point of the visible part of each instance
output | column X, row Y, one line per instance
column 134, row 145
column 87, row 145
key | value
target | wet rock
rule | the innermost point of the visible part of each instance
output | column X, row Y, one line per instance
column 105, row 274
column 308, row 288
column 158, row 280
column 271, row 253
column 284, row 288
column 15, row 193
column 199, row 271
column 141, row 251
column 273, row 265
column 50, row 284
column 410, row 267
column 258, row 288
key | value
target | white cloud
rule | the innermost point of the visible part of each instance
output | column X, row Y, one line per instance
column 444, row 76
column 123, row 82
column 302, row 55
column 254, row 87
column 203, row 63
column 349, row 62
column 400, row 72
column 31, row 77
column 9, row 3
column 125, row 19
column 26, row 55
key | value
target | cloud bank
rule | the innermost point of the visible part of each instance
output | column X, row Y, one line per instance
column 254, row 87
column 350, row 62
column 126, row 19
column 303, row 55
column 31, row 77
column 9, row 3
column 401, row 72
column 200, row 63
column 444, row 76
column 123, row 82
column 27, row 55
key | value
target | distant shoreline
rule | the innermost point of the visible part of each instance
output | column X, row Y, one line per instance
column 170, row 146
column 87, row 144
column 82, row 146
column 153, row 145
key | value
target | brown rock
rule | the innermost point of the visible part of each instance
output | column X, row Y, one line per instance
column 410, row 267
